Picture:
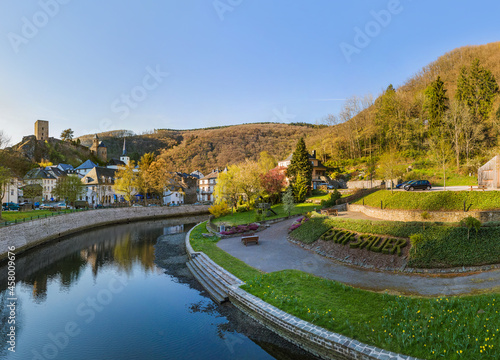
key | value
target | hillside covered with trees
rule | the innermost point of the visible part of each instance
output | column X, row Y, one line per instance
column 447, row 115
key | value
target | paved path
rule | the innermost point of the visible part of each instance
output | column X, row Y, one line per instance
column 275, row 253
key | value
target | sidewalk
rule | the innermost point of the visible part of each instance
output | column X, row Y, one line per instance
column 275, row 253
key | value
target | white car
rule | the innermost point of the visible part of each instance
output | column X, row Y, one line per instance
column 61, row 206
column 137, row 205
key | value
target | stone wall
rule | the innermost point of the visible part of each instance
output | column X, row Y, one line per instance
column 29, row 234
column 416, row 215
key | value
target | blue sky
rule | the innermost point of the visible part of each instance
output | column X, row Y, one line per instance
column 100, row 65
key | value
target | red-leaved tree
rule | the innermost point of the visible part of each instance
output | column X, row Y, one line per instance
column 273, row 184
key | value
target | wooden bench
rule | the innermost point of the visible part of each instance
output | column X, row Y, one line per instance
column 479, row 187
column 250, row 239
column 330, row 212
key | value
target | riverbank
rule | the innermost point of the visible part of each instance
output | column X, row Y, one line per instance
column 33, row 233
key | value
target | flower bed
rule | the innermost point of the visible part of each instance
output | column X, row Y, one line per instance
column 296, row 224
column 240, row 229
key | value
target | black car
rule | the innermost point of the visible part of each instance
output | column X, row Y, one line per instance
column 402, row 185
column 418, row 184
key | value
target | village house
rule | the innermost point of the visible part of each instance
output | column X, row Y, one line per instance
column 46, row 178
column 12, row 193
column 318, row 169
column 99, row 183
column 206, row 186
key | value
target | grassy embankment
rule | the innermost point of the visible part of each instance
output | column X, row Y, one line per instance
column 434, row 200
column 35, row 214
column 451, row 328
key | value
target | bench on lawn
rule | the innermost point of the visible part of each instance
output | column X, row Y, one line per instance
column 329, row 212
column 250, row 239
column 479, row 187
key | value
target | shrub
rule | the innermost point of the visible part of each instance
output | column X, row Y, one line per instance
column 334, row 196
column 218, row 210
column 243, row 208
column 470, row 223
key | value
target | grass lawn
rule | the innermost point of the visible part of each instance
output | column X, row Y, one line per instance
column 18, row 215
column 451, row 328
column 433, row 200
column 250, row 216
column 435, row 328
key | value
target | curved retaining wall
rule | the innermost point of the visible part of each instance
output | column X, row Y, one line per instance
column 29, row 234
column 314, row 339
column 416, row 215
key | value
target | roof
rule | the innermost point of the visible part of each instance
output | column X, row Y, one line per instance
column 86, row 165
column 212, row 175
column 65, row 167
column 55, row 171
column 98, row 174
column 116, row 162
column 102, row 144
column 38, row 174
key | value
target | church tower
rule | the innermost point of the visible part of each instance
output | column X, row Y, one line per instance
column 124, row 156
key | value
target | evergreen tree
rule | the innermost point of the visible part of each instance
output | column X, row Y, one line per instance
column 300, row 167
column 288, row 202
column 476, row 87
column 436, row 104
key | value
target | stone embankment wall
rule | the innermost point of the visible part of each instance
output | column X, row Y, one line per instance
column 416, row 215
column 29, row 234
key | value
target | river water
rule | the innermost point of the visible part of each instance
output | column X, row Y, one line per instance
column 124, row 292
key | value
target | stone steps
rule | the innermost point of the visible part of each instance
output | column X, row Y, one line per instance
column 205, row 281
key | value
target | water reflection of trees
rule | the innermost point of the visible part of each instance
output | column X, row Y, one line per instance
column 123, row 246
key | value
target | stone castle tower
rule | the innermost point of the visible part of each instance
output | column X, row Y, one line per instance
column 42, row 130
column 99, row 148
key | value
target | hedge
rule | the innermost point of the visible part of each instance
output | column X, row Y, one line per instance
column 441, row 245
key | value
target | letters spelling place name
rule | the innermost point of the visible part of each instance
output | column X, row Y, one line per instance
column 369, row 242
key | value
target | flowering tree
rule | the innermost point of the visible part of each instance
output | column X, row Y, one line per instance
column 272, row 183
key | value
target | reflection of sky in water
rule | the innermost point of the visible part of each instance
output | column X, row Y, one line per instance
column 103, row 297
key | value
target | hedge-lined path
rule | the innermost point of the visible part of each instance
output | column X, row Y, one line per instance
column 275, row 253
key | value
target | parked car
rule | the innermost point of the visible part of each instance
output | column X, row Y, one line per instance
column 44, row 206
column 137, row 205
column 150, row 205
column 402, row 185
column 418, row 184
column 81, row 204
column 10, row 206
column 61, row 205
